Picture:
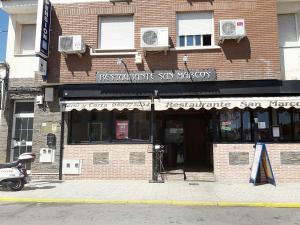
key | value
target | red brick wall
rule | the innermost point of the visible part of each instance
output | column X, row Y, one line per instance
column 119, row 166
column 241, row 173
column 255, row 57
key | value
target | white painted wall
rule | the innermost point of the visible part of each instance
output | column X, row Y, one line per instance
column 290, row 52
column 21, row 65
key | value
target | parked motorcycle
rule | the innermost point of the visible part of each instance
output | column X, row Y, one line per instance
column 14, row 175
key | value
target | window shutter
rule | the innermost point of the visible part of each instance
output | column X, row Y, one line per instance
column 287, row 29
column 196, row 23
column 116, row 32
column 27, row 38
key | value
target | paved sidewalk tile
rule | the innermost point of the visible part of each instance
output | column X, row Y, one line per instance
column 115, row 190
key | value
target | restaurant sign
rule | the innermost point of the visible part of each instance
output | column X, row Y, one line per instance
column 229, row 103
column 184, row 103
column 165, row 76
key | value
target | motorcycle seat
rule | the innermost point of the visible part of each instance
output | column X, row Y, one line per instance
column 9, row 165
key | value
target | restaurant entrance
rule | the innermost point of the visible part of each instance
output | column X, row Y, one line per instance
column 185, row 133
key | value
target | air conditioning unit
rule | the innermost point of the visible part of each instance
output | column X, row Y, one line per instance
column 232, row 29
column 40, row 67
column 155, row 38
column 72, row 44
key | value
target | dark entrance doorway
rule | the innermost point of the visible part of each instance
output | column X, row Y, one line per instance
column 187, row 139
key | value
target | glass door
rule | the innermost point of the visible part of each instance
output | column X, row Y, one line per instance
column 22, row 129
column 174, row 141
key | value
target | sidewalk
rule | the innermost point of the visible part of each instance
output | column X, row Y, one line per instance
column 143, row 192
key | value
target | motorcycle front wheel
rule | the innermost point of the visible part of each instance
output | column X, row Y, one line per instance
column 17, row 185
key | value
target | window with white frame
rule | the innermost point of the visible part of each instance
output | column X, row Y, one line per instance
column 27, row 42
column 287, row 29
column 195, row 29
column 116, row 32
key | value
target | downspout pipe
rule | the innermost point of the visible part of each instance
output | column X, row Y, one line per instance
column 61, row 155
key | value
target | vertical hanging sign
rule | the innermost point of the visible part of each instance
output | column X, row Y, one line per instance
column 43, row 25
column 261, row 160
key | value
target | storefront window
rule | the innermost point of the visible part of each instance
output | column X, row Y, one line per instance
column 89, row 127
column 246, row 126
column 100, row 126
column 230, row 125
column 285, row 123
column 132, row 126
column 296, row 120
column 264, row 123
column 140, row 126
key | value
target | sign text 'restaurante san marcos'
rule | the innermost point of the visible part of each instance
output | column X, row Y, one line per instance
column 198, row 75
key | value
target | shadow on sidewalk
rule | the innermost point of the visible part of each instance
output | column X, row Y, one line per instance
column 36, row 185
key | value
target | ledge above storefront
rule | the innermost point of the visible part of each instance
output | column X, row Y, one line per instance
column 204, row 89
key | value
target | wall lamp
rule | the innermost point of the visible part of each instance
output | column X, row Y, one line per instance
column 120, row 62
column 185, row 59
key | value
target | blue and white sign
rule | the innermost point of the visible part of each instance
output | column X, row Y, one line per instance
column 261, row 160
column 43, row 28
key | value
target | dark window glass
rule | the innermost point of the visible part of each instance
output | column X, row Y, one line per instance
column 121, row 125
column 88, row 126
column 181, row 41
column 132, row 125
column 207, row 40
column 197, row 40
column 230, row 125
column 285, row 123
column 296, row 119
column 264, row 131
column 140, row 126
column 190, row 40
column 246, row 126
column 95, row 126
column 24, row 107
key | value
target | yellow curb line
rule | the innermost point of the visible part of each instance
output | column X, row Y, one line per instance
column 154, row 202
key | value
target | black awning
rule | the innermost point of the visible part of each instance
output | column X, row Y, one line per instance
column 204, row 89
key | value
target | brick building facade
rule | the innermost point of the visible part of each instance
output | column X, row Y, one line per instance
column 100, row 135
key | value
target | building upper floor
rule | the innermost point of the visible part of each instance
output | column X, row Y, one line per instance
column 154, row 36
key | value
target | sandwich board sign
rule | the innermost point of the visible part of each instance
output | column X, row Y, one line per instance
column 261, row 158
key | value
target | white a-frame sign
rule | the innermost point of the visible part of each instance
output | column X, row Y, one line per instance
column 261, row 158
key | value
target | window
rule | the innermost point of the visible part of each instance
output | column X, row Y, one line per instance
column 195, row 29
column 230, row 124
column 296, row 120
column 287, row 29
column 132, row 126
column 103, row 126
column 27, row 43
column 89, row 127
column 264, row 125
column 247, row 129
column 116, row 32
column 285, row 123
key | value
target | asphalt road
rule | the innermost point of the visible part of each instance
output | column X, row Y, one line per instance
column 90, row 214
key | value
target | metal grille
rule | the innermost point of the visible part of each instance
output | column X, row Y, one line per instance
column 150, row 37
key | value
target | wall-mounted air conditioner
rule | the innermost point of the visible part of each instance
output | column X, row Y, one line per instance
column 232, row 29
column 155, row 38
column 40, row 67
column 72, row 44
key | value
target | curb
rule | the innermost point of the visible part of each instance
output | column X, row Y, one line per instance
column 154, row 202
